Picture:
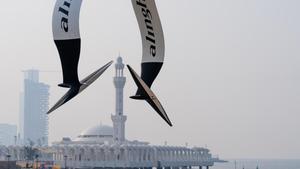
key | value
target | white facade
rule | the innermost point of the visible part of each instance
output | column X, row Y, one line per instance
column 119, row 119
column 129, row 155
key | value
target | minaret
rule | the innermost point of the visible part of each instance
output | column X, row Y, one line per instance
column 119, row 119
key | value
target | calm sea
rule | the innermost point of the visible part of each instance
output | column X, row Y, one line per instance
column 262, row 164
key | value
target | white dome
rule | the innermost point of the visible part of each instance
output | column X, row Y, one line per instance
column 99, row 133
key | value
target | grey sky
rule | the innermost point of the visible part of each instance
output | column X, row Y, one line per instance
column 230, row 81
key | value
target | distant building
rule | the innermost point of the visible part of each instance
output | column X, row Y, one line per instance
column 8, row 134
column 21, row 118
column 33, row 107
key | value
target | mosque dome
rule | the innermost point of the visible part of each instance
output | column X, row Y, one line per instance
column 99, row 133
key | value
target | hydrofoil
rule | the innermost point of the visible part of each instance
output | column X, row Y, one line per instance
column 147, row 95
column 76, row 89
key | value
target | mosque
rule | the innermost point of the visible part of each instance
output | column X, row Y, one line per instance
column 106, row 147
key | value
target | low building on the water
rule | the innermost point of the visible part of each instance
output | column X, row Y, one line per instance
column 95, row 148
column 104, row 146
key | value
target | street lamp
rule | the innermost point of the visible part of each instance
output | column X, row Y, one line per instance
column 8, row 156
column 65, row 158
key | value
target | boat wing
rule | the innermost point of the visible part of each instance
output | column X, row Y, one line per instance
column 153, row 51
column 75, row 90
column 149, row 96
column 93, row 77
column 66, row 35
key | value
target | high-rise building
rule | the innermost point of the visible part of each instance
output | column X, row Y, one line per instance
column 34, row 105
column 8, row 134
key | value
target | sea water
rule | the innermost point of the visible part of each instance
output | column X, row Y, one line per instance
column 260, row 163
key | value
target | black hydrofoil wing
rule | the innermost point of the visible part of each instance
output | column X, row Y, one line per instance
column 66, row 35
column 147, row 94
column 75, row 90
column 153, row 53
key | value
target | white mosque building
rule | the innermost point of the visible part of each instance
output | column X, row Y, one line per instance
column 106, row 147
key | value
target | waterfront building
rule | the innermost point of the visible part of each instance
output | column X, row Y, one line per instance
column 8, row 134
column 104, row 146
column 33, row 107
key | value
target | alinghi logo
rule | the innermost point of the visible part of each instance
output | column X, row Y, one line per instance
column 64, row 23
column 148, row 22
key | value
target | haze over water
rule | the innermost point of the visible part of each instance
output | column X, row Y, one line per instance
column 261, row 163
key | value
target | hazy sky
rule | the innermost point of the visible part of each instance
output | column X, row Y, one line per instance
column 231, row 78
